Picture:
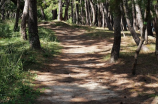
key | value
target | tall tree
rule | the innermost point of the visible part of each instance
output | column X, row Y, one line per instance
column 60, row 10
column 33, row 28
column 24, row 19
column 139, row 16
column 147, row 14
column 17, row 16
column 117, row 32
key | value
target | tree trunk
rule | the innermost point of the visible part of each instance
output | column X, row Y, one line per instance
column 17, row 16
column 72, row 11
column 134, row 16
column 106, row 16
column 99, row 15
column 149, row 27
column 24, row 19
column 139, row 17
column 77, row 13
column 66, row 10
column 86, row 11
column 33, row 28
column 142, row 37
column 60, row 11
column 93, row 11
column 43, row 14
column 117, row 34
column 103, row 15
column 54, row 12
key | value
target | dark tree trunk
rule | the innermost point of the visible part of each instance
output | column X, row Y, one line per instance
column 117, row 34
column 72, row 11
column 106, row 16
column 77, row 13
column 33, row 28
column 17, row 16
column 124, row 23
column 66, row 10
column 24, row 19
column 149, row 27
column 54, row 12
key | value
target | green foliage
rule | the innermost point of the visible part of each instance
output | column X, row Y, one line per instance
column 13, row 86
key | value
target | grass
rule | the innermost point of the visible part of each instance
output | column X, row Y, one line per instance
column 16, row 61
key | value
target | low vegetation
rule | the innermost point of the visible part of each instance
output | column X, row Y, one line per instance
column 17, row 61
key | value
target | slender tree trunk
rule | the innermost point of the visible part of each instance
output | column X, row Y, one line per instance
column 86, row 11
column 17, row 16
column 117, row 34
column 60, row 10
column 43, row 14
column 66, row 10
column 149, row 27
column 33, row 28
column 93, row 11
column 99, row 15
column 72, row 11
column 139, row 16
column 103, row 15
column 24, row 19
column 134, row 16
column 106, row 16
column 77, row 13
column 142, row 38
column 54, row 12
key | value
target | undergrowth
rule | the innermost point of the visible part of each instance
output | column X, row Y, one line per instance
column 16, row 61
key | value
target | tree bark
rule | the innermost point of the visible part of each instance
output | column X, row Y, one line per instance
column 33, row 28
column 72, row 11
column 60, row 11
column 66, row 10
column 93, row 11
column 106, row 16
column 24, row 19
column 139, row 17
column 54, row 12
column 86, row 11
column 142, row 37
column 17, row 16
column 134, row 16
column 117, row 34
column 77, row 13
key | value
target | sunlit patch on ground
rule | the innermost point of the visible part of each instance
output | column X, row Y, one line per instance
column 82, row 74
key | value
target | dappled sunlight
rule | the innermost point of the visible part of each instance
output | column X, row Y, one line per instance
column 82, row 73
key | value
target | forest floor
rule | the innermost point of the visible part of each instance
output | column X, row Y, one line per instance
column 82, row 74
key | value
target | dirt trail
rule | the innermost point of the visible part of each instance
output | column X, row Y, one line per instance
column 80, row 76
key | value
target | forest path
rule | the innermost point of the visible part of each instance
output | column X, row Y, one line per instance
column 79, row 75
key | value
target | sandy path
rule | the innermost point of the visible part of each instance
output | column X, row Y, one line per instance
column 80, row 76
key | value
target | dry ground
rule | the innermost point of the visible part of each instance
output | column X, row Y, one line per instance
column 81, row 74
